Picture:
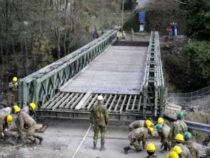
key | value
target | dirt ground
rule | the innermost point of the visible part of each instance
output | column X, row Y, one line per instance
column 63, row 137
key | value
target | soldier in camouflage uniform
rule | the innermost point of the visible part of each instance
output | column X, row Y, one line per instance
column 99, row 121
column 194, row 153
column 5, row 121
column 164, row 133
column 180, row 142
column 11, row 95
column 27, row 126
column 179, row 126
column 136, row 136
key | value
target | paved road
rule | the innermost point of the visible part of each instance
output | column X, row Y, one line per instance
column 62, row 139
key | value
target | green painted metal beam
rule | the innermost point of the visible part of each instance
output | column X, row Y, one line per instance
column 40, row 86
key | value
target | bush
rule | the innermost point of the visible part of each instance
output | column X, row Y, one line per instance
column 199, row 56
column 130, row 4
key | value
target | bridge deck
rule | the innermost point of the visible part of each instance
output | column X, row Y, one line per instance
column 118, row 70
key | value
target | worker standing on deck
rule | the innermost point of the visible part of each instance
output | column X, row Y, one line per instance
column 151, row 150
column 179, row 126
column 27, row 125
column 140, row 123
column 99, row 120
column 164, row 133
column 180, row 142
column 136, row 136
column 194, row 153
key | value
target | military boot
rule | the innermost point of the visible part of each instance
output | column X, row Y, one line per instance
column 126, row 149
column 102, row 147
column 40, row 139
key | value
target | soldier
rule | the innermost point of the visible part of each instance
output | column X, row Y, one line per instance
column 99, row 121
column 178, row 150
column 27, row 126
column 164, row 133
column 190, row 145
column 5, row 121
column 30, row 109
column 5, row 129
column 151, row 150
column 179, row 126
column 136, row 136
column 140, row 123
column 172, row 154
column 12, row 92
column 10, row 96
column 180, row 142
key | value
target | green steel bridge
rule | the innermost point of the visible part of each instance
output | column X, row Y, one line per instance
column 128, row 74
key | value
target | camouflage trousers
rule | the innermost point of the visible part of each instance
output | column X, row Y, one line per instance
column 135, row 145
column 30, row 135
column 99, row 129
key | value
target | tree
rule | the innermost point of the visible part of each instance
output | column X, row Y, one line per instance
column 198, row 53
column 197, row 16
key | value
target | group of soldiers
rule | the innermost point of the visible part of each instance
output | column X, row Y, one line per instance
column 19, row 125
column 175, row 138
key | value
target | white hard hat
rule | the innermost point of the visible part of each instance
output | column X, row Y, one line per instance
column 100, row 97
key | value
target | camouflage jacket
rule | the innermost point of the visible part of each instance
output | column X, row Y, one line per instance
column 99, row 115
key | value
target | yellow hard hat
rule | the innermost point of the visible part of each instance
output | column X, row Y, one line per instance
column 179, row 138
column 151, row 130
column 149, row 123
column 151, row 147
column 9, row 119
column 177, row 149
column 14, row 79
column 32, row 105
column 172, row 154
column 160, row 120
column 16, row 109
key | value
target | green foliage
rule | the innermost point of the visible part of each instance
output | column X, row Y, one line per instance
column 130, row 4
column 199, row 57
column 197, row 16
column 131, row 22
column 160, row 18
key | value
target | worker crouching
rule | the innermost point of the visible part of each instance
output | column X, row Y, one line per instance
column 27, row 126
column 136, row 137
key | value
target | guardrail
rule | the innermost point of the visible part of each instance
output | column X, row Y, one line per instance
column 40, row 86
column 193, row 125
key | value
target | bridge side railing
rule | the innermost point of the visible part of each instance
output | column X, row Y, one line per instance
column 153, row 87
column 40, row 86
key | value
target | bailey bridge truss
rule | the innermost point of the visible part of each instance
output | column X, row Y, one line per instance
column 128, row 74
